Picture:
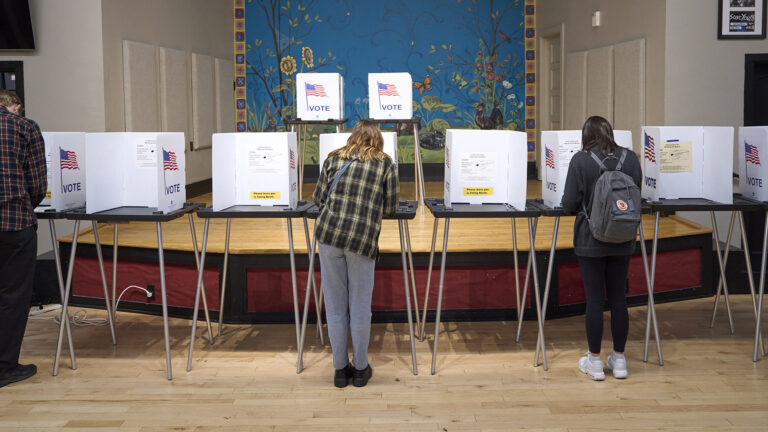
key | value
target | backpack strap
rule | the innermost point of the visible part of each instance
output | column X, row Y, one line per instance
column 602, row 165
column 341, row 171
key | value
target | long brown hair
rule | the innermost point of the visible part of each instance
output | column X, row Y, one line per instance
column 365, row 142
column 598, row 132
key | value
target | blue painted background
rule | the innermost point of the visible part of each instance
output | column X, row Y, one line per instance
column 463, row 46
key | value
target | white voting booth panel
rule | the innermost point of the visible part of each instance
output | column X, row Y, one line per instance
column 390, row 96
column 557, row 149
column 485, row 166
column 65, row 160
column 688, row 162
column 136, row 169
column 254, row 168
column 319, row 96
column 753, row 165
column 331, row 142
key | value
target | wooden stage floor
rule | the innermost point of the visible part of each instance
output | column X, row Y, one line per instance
column 269, row 236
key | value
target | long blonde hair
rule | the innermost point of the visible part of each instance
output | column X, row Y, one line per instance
column 365, row 142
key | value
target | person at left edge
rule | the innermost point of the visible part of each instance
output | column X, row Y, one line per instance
column 22, row 187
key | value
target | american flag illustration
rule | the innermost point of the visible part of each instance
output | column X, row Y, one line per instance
column 293, row 159
column 68, row 159
column 387, row 89
column 650, row 151
column 315, row 90
column 751, row 154
column 550, row 157
column 169, row 161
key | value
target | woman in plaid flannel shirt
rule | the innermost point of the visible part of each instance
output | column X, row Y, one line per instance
column 348, row 232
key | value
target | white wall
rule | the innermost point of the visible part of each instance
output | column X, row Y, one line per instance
column 63, row 76
column 704, row 77
column 195, row 26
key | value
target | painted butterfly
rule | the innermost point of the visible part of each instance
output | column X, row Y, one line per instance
column 422, row 86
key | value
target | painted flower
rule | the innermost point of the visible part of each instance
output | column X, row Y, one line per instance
column 514, row 96
column 498, row 78
column 510, row 96
column 357, row 101
column 479, row 53
column 307, row 56
column 288, row 65
column 491, row 76
column 507, row 85
column 520, row 105
column 488, row 67
column 479, row 65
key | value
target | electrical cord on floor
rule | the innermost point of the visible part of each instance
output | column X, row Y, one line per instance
column 80, row 318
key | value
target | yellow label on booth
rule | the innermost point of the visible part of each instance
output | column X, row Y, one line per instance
column 477, row 191
column 265, row 195
column 48, row 195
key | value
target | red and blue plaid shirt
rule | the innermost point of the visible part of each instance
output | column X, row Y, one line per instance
column 23, row 180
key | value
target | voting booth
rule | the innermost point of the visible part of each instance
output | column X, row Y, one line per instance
column 486, row 166
column 136, row 169
column 688, row 162
column 557, row 149
column 65, row 162
column 254, row 168
column 390, row 96
column 752, row 147
column 319, row 96
column 331, row 142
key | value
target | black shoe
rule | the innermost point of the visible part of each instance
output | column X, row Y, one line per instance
column 361, row 377
column 342, row 376
column 19, row 373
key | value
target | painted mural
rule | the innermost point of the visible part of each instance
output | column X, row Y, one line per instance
column 467, row 59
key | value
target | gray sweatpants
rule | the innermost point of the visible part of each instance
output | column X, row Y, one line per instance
column 348, row 287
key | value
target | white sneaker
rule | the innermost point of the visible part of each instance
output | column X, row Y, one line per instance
column 618, row 364
column 592, row 366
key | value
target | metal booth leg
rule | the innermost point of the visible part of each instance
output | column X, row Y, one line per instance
column 651, row 316
column 293, row 284
column 161, row 258
column 60, row 278
column 547, row 283
column 104, row 282
column 200, row 270
column 525, row 285
column 115, row 248
column 520, row 307
column 413, row 275
column 725, row 265
column 758, row 336
column 539, row 306
column 310, row 275
column 440, row 294
column 224, row 277
column 65, row 300
column 721, row 265
column 651, row 303
column 407, row 295
column 418, row 168
column 202, row 285
column 429, row 280
column 747, row 260
column 311, row 281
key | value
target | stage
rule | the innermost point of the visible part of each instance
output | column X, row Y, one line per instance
column 479, row 275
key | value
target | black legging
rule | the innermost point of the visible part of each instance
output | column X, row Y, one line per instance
column 601, row 276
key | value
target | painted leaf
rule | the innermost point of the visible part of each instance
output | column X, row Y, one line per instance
column 430, row 102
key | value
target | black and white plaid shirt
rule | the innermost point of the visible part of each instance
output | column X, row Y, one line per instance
column 350, row 218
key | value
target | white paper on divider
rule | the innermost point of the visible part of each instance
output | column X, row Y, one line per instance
column 65, row 160
column 125, row 170
column 390, row 96
column 687, row 162
column 485, row 166
column 333, row 141
column 753, row 165
column 256, row 168
column 557, row 150
column 319, row 96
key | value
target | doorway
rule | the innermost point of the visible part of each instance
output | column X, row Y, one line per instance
column 12, row 77
column 551, row 74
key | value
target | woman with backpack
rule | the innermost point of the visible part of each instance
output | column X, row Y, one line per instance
column 357, row 185
column 603, row 264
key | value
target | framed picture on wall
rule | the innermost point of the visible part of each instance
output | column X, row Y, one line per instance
column 741, row 19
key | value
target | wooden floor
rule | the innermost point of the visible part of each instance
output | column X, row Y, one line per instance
column 269, row 236
column 485, row 381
